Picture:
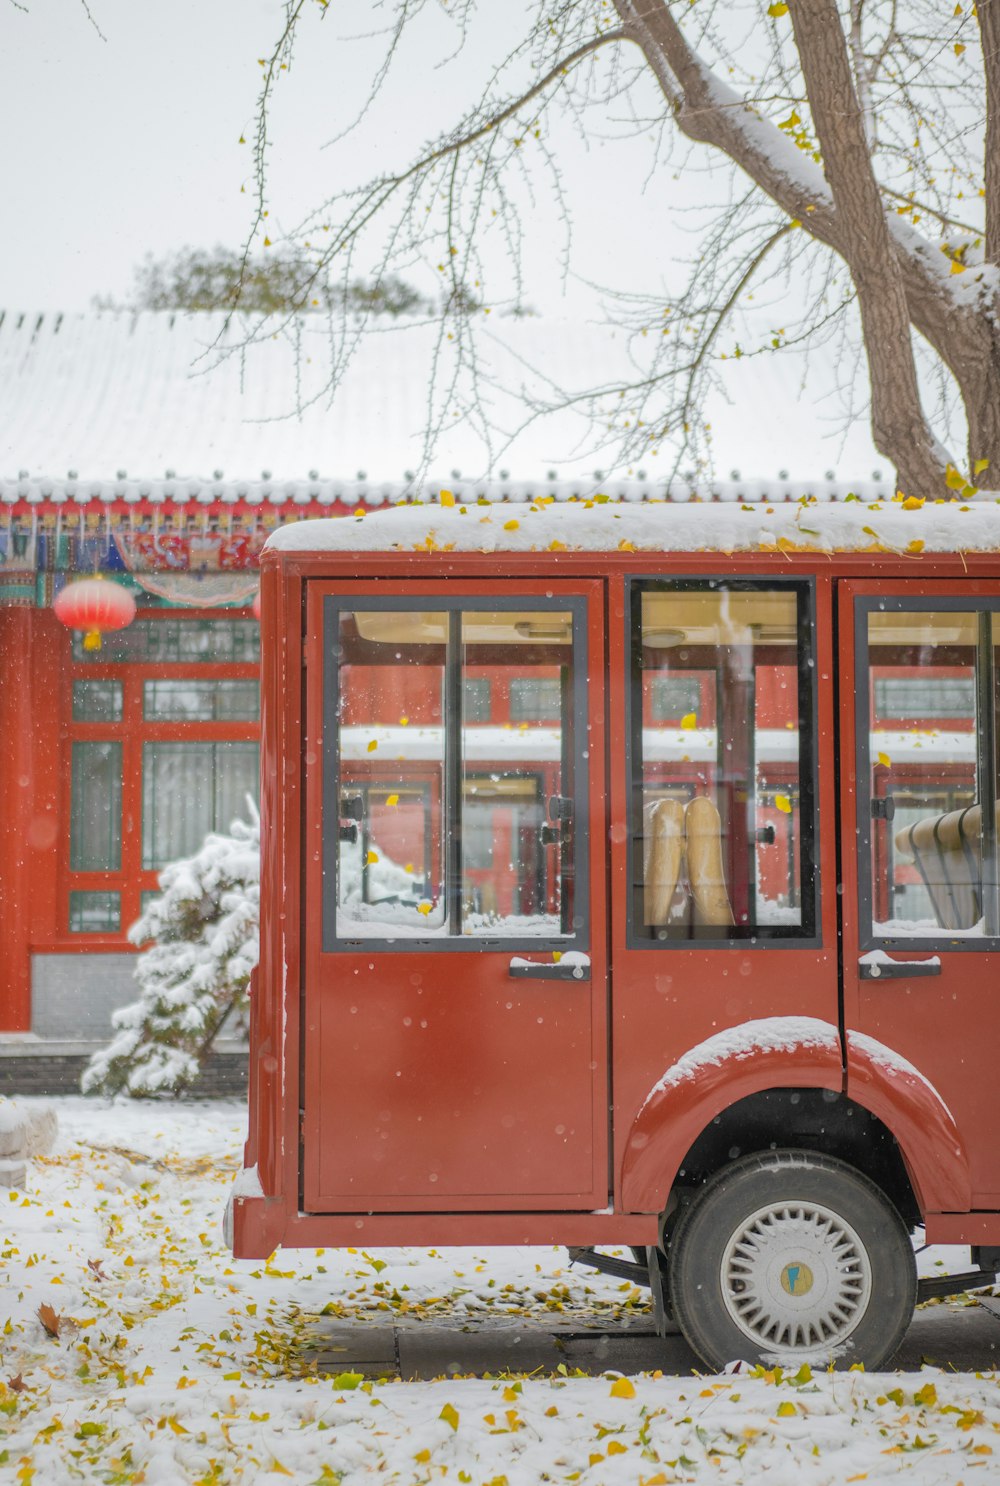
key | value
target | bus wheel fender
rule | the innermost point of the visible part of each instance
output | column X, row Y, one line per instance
column 913, row 1111
column 768, row 1053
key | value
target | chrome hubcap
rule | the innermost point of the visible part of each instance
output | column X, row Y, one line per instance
column 796, row 1278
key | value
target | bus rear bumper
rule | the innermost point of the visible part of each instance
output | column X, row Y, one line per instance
column 253, row 1225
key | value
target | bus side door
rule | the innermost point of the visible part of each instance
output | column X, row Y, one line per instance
column 456, row 963
column 921, row 912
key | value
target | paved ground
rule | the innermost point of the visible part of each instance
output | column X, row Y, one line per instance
column 960, row 1336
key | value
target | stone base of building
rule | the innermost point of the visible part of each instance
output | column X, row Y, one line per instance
column 34, row 1065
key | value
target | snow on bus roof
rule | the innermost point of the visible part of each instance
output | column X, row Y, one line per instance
column 901, row 524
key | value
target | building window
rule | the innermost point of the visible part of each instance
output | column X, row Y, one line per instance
column 96, row 811
column 477, row 702
column 176, row 641
column 97, row 701
column 163, row 734
column 190, row 789
column 939, row 696
column 201, row 701
column 672, row 698
column 535, row 699
column 95, row 913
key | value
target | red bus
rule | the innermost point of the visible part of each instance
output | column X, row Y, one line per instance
column 643, row 898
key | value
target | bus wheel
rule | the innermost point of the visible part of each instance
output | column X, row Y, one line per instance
column 791, row 1257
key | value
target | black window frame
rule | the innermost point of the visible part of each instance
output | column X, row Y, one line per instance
column 986, row 767
column 807, row 934
column 575, row 767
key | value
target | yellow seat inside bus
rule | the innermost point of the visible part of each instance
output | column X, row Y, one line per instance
column 690, row 834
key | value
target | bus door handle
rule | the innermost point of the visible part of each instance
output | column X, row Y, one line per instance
column 576, row 968
column 880, row 967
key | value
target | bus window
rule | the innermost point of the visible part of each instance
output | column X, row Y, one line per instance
column 516, row 822
column 390, row 764
column 932, row 724
column 722, row 708
column 457, row 756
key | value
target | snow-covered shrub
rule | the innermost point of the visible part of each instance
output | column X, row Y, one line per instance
column 202, row 930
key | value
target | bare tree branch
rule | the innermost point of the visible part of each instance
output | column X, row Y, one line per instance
column 860, row 130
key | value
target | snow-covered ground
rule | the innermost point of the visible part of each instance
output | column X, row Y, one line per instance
column 133, row 1348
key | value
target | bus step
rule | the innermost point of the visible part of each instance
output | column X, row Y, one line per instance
column 953, row 1284
column 622, row 1269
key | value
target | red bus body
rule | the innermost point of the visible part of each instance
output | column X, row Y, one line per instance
column 427, row 1094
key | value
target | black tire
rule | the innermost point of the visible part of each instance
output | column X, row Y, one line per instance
column 740, row 1251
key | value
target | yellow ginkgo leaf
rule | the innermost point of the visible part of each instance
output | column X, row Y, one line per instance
column 912, row 502
column 885, row 760
column 373, row 745
column 917, row 545
column 623, row 1388
column 556, row 546
column 392, row 800
column 511, row 525
column 422, row 1456
column 689, row 721
column 980, row 465
column 783, row 803
column 786, row 1410
column 777, row 9
column 450, row 1415
column 404, row 722
column 424, row 908
column 615, row 1447
column 447, row 499
column 372, row 857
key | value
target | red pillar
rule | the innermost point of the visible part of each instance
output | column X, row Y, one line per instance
column 31, row 664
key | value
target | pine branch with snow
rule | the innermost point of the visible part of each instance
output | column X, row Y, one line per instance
column 202, row 932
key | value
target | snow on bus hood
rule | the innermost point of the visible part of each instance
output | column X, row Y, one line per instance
column 900, row 525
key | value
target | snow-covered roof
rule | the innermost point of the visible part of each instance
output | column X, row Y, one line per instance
column 113, row 406
column 899, row 525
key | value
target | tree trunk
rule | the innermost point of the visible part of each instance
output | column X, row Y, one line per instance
column 898, row 424
column 978, row 374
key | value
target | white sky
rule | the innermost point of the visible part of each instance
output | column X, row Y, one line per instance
column 129, row 144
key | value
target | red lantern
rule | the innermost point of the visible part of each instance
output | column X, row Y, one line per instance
column 94, row 605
